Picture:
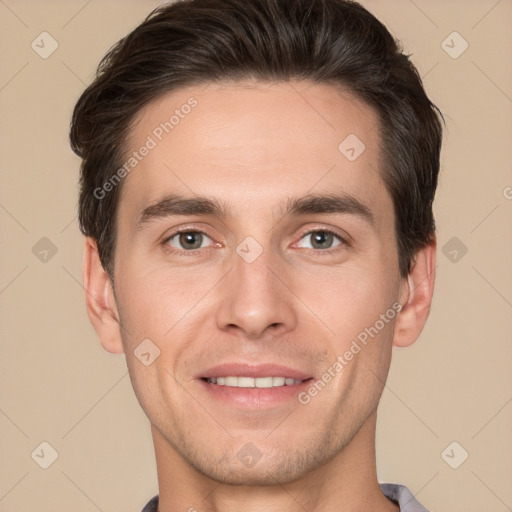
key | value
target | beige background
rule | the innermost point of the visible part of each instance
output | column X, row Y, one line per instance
column 58, row 385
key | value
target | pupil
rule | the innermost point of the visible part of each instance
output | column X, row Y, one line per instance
column 191, row 240
column 323, row 238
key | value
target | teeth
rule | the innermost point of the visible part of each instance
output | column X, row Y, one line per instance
column 261, row 382
column 251, row 382
column 231, row 381
column 278, row 381
column 243, row 382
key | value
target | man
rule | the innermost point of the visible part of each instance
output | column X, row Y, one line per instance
column 256, row 192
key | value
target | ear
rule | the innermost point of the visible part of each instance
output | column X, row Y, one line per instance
column 100, row 300
column 416, row 297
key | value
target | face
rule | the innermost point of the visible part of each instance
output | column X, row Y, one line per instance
column 253, row 242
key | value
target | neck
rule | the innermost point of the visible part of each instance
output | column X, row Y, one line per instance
column 347, row 482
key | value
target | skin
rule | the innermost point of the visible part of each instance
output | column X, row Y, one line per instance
column 252, row 146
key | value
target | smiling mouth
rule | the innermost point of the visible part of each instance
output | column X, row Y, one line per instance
column 254, row 382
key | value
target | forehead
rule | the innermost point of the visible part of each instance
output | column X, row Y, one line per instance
column 252, row 143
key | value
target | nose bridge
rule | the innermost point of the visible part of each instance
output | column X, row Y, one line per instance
column 254, row 298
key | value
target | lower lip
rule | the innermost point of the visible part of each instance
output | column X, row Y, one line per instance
column 254, row 397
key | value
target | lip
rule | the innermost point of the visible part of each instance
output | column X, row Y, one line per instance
column 256, row 399
column 253, row 370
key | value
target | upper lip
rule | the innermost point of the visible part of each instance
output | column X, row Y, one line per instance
column 253, row 370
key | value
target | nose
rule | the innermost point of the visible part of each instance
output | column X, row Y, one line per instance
column 256, row 299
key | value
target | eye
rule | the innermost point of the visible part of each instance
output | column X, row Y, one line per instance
column 323, row 239
column 187, row 240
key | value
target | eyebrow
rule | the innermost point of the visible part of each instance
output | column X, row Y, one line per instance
column 177, row 205
column 330, row 203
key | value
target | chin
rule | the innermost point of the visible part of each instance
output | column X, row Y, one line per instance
column 274, row 467
column 240, row 476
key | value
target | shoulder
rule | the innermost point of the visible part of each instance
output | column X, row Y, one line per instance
column 403, row 497
column 152, row 505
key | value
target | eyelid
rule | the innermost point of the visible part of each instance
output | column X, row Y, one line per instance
column 185, row 229
column 344, row 238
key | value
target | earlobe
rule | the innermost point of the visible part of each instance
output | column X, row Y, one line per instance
column 416, row 293
column 100, row 300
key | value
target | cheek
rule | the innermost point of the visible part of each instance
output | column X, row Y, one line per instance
column 155, row 298
column 346, row 300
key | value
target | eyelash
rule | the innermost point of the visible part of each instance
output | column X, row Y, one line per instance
column 193, row 252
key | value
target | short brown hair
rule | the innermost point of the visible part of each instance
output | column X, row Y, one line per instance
column 326, row 41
